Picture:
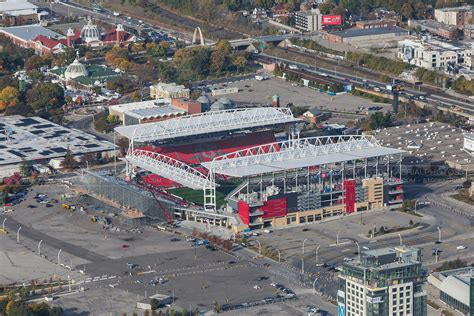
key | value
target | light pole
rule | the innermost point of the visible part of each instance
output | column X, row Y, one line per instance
column 314, row 286
column 279, row 256
column 358, row 250
column 259, row 247
column 69, row 282
column 18, row 235
column 439, row 234
column 401, row 241
column 302, row 258
column 39, row 247
column 416, row 203
column 317, row 253
column 3, row 224
column 373, row 231
column 337, row 239
column 59, row 253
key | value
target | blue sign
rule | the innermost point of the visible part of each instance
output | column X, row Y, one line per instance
column 341, row 309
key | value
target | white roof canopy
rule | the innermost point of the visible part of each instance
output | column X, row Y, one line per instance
column 209, row 122
column 299, row 153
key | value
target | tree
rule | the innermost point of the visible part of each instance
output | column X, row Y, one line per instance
column 184, row 312
column 155, row 304
column 146, row 313
column 69, row 162
column 24, row 168
column 89, row 159
column 9, row 95
column 239, row 61
column 44, row 96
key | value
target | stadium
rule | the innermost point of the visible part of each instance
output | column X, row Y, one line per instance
column 227, row 168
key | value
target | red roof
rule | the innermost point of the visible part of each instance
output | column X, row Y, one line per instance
column 111, row 37
column 46, row 41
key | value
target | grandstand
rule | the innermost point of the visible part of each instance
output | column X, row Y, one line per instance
column 197, row 153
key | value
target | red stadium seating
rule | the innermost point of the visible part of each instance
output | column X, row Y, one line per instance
column 194, row 154
column 158, row 181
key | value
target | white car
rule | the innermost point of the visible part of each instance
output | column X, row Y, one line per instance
column 267, row 231
column 461, row 247
column 257, row 287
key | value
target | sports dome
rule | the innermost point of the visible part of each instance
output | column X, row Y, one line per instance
column 74, row 70
column 90, row 32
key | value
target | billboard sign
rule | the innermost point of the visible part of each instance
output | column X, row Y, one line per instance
column 332, row 20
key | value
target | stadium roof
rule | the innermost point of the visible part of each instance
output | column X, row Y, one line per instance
column 168, row 167
column 300, row 153
column 209, row 122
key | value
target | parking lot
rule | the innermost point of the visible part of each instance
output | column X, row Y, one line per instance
column 261, row 92
column 75, row 227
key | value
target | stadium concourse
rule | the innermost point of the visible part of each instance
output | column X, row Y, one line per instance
column 273, row 184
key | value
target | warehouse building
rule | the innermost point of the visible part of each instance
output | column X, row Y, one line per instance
column 456, row 288
column 356, row 35
column 36, row 139
column 145, row 112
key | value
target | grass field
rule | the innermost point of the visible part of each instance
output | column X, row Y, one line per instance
column 197, row 196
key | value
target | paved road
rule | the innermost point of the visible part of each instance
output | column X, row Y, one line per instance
column 12, row 225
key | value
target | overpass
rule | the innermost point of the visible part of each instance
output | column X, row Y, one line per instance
column 249, row 43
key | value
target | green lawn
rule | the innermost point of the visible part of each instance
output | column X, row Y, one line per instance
column 197, row 196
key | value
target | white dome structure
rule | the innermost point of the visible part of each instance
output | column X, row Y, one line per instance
column 74, row 70
column 90, row 33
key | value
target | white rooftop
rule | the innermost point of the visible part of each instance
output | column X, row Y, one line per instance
column 300, row 153
column 34, row 138
column 17, row 7
column 29, row 32
column 125, row 107
column 205, row 123
column 170, row 87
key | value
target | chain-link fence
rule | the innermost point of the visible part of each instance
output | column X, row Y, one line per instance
column 127, row 195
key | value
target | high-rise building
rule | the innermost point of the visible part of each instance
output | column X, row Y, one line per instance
column 309, row 21
column 387, row 281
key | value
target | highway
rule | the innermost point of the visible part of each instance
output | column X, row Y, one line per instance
column 434, row 100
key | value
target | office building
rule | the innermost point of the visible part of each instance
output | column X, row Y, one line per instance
column 457, row 17
column 433, row 54
column 387, row 281
column 309, row 21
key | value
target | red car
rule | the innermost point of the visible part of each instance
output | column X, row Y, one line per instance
column 125, row 246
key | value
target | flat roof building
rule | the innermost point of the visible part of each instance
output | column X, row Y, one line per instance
column 168, row 91
column 24, row 35
column 37, row 139
column 456, row 288
column 433, row 54
column 458, row 16
column 17, row 12
column 145, row 112
column 356, row 35
column 386, row 281
column 308, row 21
